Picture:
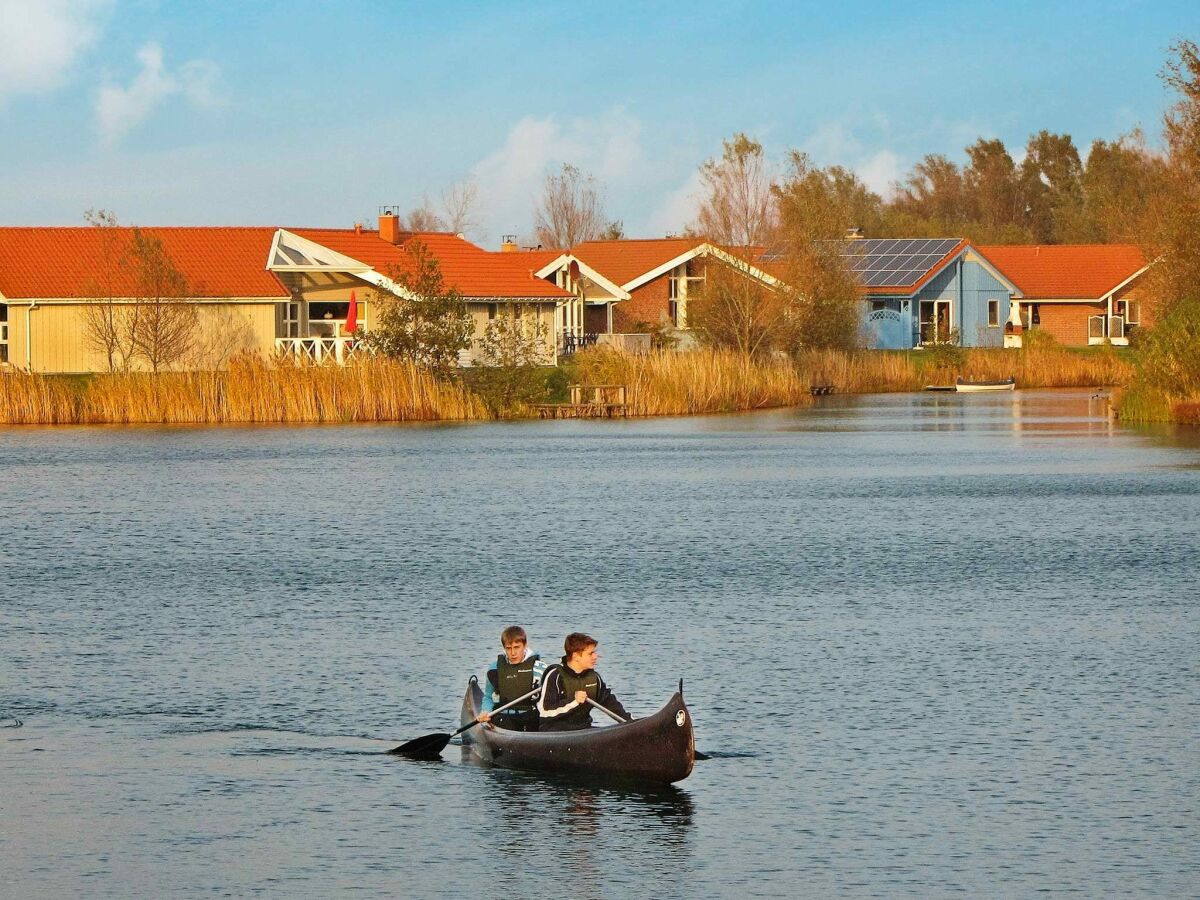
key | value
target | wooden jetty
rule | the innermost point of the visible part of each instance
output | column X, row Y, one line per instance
column 589, row 401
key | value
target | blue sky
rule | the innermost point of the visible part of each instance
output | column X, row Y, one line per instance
column 304, row 113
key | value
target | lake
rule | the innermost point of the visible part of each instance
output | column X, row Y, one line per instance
column 936, row 644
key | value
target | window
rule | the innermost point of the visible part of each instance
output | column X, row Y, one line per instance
column 878, row 305
column 290, row 313
column 993, row 313
column 1131, row 310
column 695, row 271
column 492, row 310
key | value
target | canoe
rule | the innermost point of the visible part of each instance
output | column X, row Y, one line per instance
column 658, row 749
column 1007, row 384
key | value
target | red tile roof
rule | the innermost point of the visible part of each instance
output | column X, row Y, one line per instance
column 471, row 270
column 1066, row 271
column 537, row 258
column 67, row 262
column 623, row 261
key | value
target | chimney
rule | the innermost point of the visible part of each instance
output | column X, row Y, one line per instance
column 389, row 224
column 358, row 227
column 508, row 244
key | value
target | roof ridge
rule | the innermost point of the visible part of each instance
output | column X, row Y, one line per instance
column 135, row 225
column 636, row 240
column 1055, row 246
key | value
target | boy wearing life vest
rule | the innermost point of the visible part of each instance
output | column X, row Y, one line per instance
column 567, row 687
column 516, row 672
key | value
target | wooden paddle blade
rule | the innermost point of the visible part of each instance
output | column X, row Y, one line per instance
column 428, row 747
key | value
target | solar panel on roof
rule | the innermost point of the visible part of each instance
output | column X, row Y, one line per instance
column 901, row 262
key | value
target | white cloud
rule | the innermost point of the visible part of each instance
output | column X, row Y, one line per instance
column 120, row 109
column 880, row 172
column 836, row 144
column 832, row 144
column 40, row 40
column 608, row 146
column 679, row 209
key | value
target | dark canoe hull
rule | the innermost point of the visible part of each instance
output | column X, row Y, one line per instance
column 658, row 749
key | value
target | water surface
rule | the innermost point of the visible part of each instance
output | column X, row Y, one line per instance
column 938, row 644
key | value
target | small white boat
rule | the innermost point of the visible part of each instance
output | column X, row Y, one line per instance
column 970, row 387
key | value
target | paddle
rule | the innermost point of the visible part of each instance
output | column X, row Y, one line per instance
column 431, row 745
column 604, row 709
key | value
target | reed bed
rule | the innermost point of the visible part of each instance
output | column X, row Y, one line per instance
column 704, row 381
column 663, row 383
column 27, row 399
column 880, row 372
column 250, row 390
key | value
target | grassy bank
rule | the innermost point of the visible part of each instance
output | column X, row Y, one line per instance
column 251, row 390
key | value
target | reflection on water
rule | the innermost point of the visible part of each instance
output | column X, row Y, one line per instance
column 594, row 825
column 938, row 643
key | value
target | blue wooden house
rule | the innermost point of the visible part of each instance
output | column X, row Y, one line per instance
column 937, row 290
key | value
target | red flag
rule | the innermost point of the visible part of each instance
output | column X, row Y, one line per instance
column 352, row 315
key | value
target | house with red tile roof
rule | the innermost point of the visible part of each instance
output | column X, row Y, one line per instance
column 1080, row 293
column 266, row 289
column 635, row 286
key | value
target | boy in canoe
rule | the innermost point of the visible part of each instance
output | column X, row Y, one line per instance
column 516, row 672
column 567, row 687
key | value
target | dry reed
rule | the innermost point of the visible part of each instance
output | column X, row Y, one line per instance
column 36, row 399
column 880, row 372
column 661, row 383
column 250, row 390
column 704, row 381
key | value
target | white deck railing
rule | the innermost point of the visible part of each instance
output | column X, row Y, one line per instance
column 318, row 349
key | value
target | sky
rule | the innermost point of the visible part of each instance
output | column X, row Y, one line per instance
column 255, row 112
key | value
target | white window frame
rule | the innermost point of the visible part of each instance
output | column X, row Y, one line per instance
column 993, row 313
column 290, row 319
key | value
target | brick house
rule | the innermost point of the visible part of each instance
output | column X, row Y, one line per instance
column 634, row 286
column 1081, row 294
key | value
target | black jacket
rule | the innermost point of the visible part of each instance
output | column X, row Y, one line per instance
column 557, row 707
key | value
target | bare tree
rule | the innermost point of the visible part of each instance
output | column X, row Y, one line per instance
column 424, row 218
column 165, row 327
column 109, row 320
column 222, row 334
column 738, row 207
column 613, row 231
column 570, row 210
column 460, row 202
